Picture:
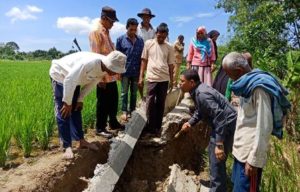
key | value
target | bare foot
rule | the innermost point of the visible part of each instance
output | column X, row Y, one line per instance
column 124, row 116
column 68, row 153
column 83, row 144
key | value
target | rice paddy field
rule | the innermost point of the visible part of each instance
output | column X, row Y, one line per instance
column 26, row 107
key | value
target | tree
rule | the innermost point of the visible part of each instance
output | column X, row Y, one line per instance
column 13, row 45
column 53, row 53
column 264, row 28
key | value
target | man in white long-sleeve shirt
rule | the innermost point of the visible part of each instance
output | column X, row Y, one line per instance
column 253, row 128
column 67, row 74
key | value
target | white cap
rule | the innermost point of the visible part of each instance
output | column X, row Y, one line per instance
column 115, row 61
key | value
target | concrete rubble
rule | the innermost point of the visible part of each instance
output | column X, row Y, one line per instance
column 180, row 182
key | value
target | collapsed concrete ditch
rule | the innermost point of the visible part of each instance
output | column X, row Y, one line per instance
column 131, row 163
column 155, row 164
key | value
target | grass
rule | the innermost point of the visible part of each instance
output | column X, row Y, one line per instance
column 282, row 172
column 27, row 109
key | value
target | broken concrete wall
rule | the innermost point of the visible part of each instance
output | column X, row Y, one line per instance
column 172, row 99
column 149, row 164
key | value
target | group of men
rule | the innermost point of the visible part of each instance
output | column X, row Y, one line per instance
column 143, row 49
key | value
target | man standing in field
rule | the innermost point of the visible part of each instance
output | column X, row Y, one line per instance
column 214, row 108
column 107, row 90
column 158, row 58
column 67, row 74
column 263, row 104
column 145, row 29
column 178, row 48
column 132, row 46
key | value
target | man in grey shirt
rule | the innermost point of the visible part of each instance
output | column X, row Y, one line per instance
column 215, row 109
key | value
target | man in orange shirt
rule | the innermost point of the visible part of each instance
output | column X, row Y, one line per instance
column 107, row 90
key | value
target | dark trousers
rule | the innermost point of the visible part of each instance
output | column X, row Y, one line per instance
column 132, row 84
column 71, row 127
column 218, row 168
column 156, row 97
column 107, row 106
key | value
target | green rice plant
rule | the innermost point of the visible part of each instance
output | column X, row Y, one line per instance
column 5, row 137
column 89, row 111
column 24, row 133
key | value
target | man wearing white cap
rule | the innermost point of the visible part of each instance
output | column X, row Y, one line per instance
column 67, row 74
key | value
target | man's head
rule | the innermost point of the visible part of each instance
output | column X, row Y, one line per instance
column 180, row 38
column 131, row 27
column 162, row 32
column 108, row 17
column 201, row 33
column 146, row 15
column 114, row 63
column 235, row 65
column 189, row 79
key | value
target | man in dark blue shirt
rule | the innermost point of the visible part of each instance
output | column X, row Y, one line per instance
column 132, row 46
column 214, row 108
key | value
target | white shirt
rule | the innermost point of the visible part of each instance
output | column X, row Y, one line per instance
column 81, row 68
column 253, row 129
column 146, row 35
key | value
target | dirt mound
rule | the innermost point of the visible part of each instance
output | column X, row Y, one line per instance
column 51, row 173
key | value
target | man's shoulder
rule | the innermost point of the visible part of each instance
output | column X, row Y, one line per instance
column 120, row 38
column 206, row 91
column 260, row 91
column 149, row 43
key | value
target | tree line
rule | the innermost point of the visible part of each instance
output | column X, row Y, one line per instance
column 10, row 51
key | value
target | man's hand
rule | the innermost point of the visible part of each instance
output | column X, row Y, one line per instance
column 219, row 152
column 186, row 127
column 79, row 106
column 250, row 171
column 141, row 83
column 66, row 110
column 102, row 85
column 170, row 86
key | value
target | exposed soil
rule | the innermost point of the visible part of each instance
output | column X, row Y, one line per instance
column 148, row 168
column 50, row 172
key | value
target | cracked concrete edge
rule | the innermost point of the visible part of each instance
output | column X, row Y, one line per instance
column 106, row 177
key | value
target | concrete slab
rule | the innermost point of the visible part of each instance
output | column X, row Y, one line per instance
column 106, row 176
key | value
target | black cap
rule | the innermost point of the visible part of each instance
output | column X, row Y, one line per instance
column 145, row 11
column 109, row 13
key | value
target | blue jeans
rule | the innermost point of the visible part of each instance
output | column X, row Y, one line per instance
column 240, row 181
column 71, row 127
column 132, row 83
